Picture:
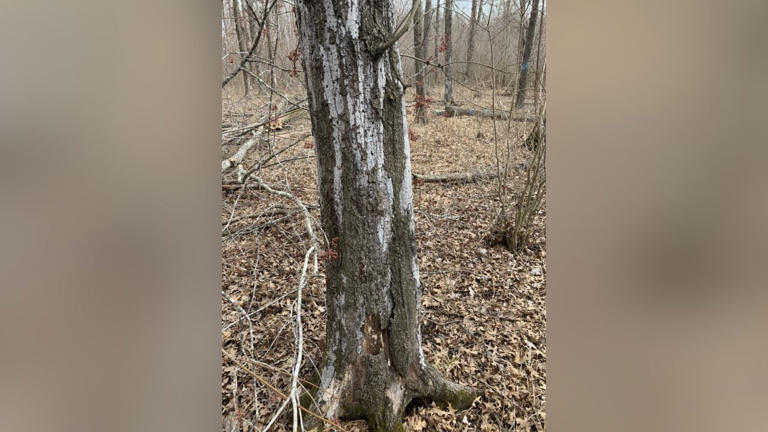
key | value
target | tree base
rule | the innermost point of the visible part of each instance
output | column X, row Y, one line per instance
column 382, row 400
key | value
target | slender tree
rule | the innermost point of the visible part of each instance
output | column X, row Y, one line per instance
column 254, row 29
column 427, row 30
column 420, row 54
column 374, row 365
column 240, row 30
column 448, row 18
column 537, row 80
column 436, row 56
column 471, row 40
column 527, row 47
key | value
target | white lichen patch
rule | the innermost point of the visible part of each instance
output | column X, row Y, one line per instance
column 331, row 393
column 422, row 359
column 394, row 393
column 353, row 19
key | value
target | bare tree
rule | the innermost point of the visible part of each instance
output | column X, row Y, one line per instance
column 254, row 29
column 246, row 58
column 471, row 41
column 420, row 54
column 240, row 30
column 527, row 47
column 428, row 11
column 437, row 35
column 427, row 26
column 374, row 364
column 448, row 17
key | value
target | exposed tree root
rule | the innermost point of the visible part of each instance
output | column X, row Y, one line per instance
column 384, row 396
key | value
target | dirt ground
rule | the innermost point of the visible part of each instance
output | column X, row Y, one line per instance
column 484, row 313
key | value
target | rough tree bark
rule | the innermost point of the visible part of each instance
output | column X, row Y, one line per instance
column 448, row 18
column 240, row 30
column 471, row 40
column 374, row 365
column 527, row 46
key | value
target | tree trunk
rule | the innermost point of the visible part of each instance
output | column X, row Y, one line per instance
column 527, row 46
column 537, row 78
column 240, row 38
column 254, row 66
column 420, row 54
column 436, row 57
column 471, row 41
column 374, row 365
column 425, row 39
column 448, row 97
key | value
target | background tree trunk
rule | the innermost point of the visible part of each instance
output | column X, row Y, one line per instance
column 425, row 44
column 436, row 56
column 240, row 38
column 471, row 40
column 254, row 66
column 374, row 365
column 537, row 80
column 527, row 46
column 420, row 54
column 448, row 97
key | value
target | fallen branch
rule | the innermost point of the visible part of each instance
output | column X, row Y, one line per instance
column 280, row 211
column 453, row 111
column 284, row 115
column 454, row 177
column 231, row 186
column 238, row 157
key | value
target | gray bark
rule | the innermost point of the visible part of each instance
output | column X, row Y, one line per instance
column 525, row 62
column 448, row 18
column 374, row 365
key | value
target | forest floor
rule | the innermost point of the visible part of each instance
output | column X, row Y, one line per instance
column 483, row 308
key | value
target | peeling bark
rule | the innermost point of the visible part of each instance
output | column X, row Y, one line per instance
column 374, row 365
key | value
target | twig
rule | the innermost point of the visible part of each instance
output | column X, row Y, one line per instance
column 299, row 341
column 307, row 215
column 274, row 389
column 398, row 33
column 245, row 315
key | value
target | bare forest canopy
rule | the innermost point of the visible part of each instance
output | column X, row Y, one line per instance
column 275, row 58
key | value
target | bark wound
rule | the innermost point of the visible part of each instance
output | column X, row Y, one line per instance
column 373, row 338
